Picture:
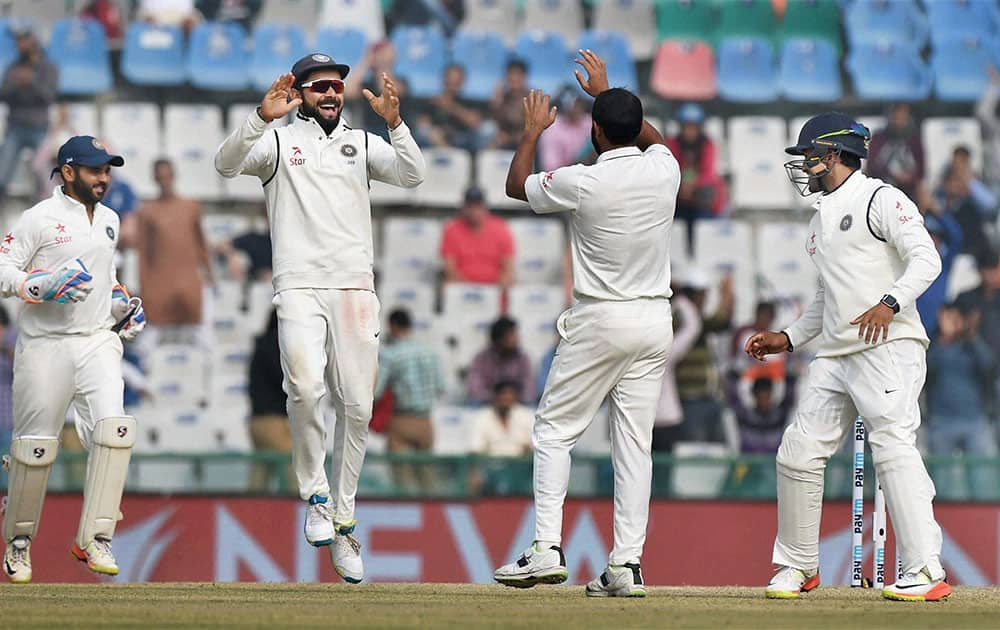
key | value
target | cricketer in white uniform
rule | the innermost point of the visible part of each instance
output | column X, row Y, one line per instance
column 59, row 259
column 868, row 242
column 616, row 338
column 316, row 173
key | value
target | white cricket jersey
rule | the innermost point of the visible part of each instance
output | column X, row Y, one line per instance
column 866, row 239
column 53, row 234
column 621, row 210
column 316, row 190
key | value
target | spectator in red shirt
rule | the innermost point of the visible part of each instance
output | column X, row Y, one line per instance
column 702, row 193
column 477, row 246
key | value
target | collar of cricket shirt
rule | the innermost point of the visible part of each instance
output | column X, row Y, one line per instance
column 73, row 205
column 620, row 152
column 310, row 126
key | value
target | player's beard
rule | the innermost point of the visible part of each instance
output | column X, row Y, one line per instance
column 87, row 194
column 328, row 124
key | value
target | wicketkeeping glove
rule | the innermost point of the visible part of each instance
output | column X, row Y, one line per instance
column 65, row 285
column 128, row 314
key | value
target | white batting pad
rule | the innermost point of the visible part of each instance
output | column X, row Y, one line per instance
column 30, row 463
column 107, row 467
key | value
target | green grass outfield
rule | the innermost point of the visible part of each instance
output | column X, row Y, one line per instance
column 150, row 606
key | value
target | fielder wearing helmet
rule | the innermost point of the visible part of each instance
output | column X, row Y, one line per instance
column 874, row 258
column 826, row 139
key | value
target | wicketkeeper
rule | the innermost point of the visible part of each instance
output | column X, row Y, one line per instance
column 59, row 259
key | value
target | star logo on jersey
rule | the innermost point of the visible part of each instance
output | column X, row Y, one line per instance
column 296, row 151
column 845, row 223
column 9, row 238
column 61, row 228
column 811, row 248
column 296, row 159
column 546, row 179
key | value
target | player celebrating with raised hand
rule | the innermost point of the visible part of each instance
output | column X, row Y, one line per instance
column 59, row 259
column 870, row 246
column 316, row 174
column 616, row 338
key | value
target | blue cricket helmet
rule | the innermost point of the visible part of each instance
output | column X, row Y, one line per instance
column 832, row 131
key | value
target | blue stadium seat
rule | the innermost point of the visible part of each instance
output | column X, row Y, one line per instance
column 154, row 55
column 960, row 68
column 346, row 45
column 885, row 21
column 484, row 57
column 421, row 57
column 747, row 72
column 809, row 71
column 949, row 19
column 80, row 50
column 217, row 57
column 550, row 64
column 276, row 48
column 613, row 48
column 888, row 72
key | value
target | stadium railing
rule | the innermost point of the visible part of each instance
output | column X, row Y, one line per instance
column 749, row 477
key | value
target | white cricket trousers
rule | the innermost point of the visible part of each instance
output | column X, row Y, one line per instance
column 50, row 373
column 882, row 385
column 613, row 350
column 329, row 355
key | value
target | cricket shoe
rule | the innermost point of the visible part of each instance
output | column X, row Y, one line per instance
column 17, row 560
column 618, row 581
column 319, row 521
column 97, row 554
column 917, row 587
column 535, row 566
column 346, row 555
column 790, row 583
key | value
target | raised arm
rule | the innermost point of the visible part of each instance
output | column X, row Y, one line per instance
column 248, row 150
column 401, row 163
column 596, row 82
column 538, row 116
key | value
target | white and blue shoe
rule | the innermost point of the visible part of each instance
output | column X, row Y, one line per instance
column 346, row 555
column 319, row 521
column 535, row 566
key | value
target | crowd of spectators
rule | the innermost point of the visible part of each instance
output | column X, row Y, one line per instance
column 707, row 374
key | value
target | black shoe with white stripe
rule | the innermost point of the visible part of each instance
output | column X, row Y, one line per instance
column 535, row 566
column 618, row 581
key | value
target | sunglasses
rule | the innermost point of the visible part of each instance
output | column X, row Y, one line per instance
column 320, row 86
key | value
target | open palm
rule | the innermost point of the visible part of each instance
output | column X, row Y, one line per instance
column 280, row 98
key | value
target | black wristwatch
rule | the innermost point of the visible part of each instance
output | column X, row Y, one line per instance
column 891, row 302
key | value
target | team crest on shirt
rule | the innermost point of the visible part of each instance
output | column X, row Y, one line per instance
column 846, row 222
column 348, row 150
column 110, row 231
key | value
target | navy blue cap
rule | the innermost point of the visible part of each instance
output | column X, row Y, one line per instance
column 317, row 61
column 832, row 131
column 85, row 151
